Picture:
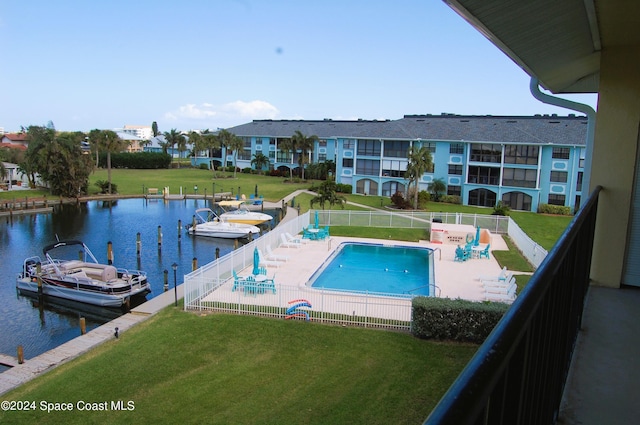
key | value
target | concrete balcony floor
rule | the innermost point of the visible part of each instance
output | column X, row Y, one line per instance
column 603, row 386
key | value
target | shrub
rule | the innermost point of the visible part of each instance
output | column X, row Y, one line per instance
column 204, row 166
column 104, row 186
column 451, row 199
column 457, row 320
column 554, row 209
column 275, row 173
column 423, row 198
column 247, row 170
column 501, row 209
column 137, row 160
column 344, row 188
column 398, row 200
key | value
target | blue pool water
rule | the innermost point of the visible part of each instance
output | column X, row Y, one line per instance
column 376, row 268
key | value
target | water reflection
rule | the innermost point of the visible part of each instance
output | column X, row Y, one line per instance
column 40, row 327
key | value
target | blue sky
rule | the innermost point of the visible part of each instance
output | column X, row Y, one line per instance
column 219, row 63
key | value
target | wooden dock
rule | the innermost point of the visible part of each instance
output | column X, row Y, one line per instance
column 9, row 361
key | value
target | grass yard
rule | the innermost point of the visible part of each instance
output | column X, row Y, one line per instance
column 184, row 368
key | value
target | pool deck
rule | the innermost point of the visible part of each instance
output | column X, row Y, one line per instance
column 454, row 279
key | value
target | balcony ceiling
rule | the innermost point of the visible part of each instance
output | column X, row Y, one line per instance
column 556, row 41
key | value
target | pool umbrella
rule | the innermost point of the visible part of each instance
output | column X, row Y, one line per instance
column 256, row 261
column 476, row 241
column 317, row 220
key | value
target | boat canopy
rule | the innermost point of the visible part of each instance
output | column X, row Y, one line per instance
column 234, row 204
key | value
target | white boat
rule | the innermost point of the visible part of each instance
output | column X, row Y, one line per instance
column 208, row 223
column 238, row 212
column 82, row 279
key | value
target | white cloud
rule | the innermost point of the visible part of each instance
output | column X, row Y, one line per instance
column 232, row 113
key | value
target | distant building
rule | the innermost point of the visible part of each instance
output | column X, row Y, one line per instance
column 14, row 141
column 143, row 132
column 523, row 161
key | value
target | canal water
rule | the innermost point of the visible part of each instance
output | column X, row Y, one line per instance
column 39, row 328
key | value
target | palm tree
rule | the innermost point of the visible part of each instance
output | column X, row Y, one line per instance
column 235, row 144
column 173, row 138
column 305, row 145
column 289, row 145
column 327, row 192
column 259, row 160
column 437, row 186
column 419, row 162
column 109, row 141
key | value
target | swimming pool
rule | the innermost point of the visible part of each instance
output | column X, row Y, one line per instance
column 400, row 270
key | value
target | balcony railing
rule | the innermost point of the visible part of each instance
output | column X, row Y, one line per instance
column 518, row 375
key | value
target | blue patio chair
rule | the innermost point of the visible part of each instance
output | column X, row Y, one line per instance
column 237, row 282
column 485, row 252
column 269, row 285
column 460, row 255
column 251, row 287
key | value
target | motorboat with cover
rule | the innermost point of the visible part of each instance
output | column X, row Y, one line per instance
column 238, row 212
column 82, row 279
column 207, row 223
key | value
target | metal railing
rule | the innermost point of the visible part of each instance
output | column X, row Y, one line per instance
column 518, row 375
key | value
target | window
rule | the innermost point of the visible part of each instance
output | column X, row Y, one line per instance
column 390, row 188
column 429, row 145
column 455, row 169
column 244, row 154
column 272, row 141
column 456, row 148
column 369, row 147
column 519, row 177
column 454, row 190
column 368, row 167
column 485, row 152
column 560, row 153
column 579, row 181
column 349, row 144
column 484, row 175
column 367, row 187
column 396, row 148
column 556, row 199
column 283, row 157
column 258, row 140
column 558, row 176
column 246, row 142
column 517, row 201
column 521, row 154
column 322, row 157
column 322, row 143
column 347, row 162
column 394, row 168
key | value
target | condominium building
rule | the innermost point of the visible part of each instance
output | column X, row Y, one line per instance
column 523, row 161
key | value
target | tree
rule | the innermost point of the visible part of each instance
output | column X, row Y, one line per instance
column 289, row 146
column 235, row 144
column 419, row 162
column 259, row 160
column 59, row 160
column 437, row 186
column 172, row 138
column 305, row 145
column 109, row 141
column 327, row 192
column 154, row 129
column 39, row 138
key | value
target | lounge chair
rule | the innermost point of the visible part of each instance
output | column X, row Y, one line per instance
column 508, row 298
column 500, row 289
column 276, row 257
column 264, row 261
column 284, row 242
column 295, row 239
column 502, row 276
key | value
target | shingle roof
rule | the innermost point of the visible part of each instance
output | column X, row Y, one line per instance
column 539, row 129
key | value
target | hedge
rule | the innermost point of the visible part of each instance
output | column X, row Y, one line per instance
column 554, row 209
column 457, row 320
column 136, row 160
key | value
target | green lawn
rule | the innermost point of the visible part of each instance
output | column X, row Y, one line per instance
column 184, row 368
